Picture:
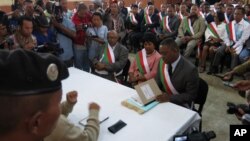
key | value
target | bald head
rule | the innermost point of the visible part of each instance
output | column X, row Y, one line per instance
column 113, row 37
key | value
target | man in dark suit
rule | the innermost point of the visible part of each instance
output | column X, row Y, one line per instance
column 177, row 77
column 112, row 58
column 151, row 20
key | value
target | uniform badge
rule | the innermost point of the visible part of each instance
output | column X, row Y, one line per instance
column 52, row 72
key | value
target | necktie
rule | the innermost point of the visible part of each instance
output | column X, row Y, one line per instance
column 170, row 70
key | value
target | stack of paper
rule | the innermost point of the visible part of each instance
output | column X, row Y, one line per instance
column 138, row 107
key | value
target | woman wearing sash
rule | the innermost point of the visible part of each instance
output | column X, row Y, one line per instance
column 146, row 62
column 215, row 34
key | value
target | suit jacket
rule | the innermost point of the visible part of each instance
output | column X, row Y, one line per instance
column 185, row 80
column 148, row 27
column 130, row 25
column 121, row 57
column 199, row 27
column 173, row 25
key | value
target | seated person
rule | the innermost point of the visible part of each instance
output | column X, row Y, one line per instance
column 170, row 25
column 216, row 36
column 68, row 132
column 238, row 33
column 112, row 58
column 191, row 30
column 145, row 65
column 150, row 21
column 177, row 77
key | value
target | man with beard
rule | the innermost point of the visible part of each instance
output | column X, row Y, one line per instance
column 191, row 30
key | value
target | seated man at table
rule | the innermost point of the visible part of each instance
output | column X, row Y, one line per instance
column 111, row 60
column 146, row 61
column 30, row 94
column 68, row 132
column 177, row 77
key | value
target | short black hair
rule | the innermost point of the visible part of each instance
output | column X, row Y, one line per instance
column 97, row 14
column 230, row 5
column 150, row 37
column 220, row 16
column 243, row 11
column 24, row 18
column 170, row 43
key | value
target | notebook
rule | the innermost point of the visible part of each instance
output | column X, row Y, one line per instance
column 147, row 92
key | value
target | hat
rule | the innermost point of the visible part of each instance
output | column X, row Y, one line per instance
column 25, row 72
column 42, row 21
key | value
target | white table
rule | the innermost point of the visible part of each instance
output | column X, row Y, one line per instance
column 159, row 124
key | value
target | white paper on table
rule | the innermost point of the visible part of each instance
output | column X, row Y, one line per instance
column 147, row 91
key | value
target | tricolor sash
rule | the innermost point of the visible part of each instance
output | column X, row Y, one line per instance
column 231, row 31
column 149, row 21
column 187, row 25
column 165, row 78
column 160, row 16
column 165, row 24
column 180, row 16
column 226, row 18
column 213, row 29
column 107, row 57
column 201, row 14
column 141, row 61
column 133, row 19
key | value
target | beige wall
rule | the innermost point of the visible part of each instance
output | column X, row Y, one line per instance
column 5, row 2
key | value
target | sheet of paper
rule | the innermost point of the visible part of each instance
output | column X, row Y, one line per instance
column 147, row 91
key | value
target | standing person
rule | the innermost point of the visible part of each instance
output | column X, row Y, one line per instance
column 30, row 96
column 97, row 35
column 81, row 19
column 177, row 77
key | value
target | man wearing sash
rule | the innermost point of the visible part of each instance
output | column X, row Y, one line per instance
column 176, row 77
column 183, row 12
column 146, row 61
column 229, row 13
column 163, row 12
column 238, row 31
column 191, row 30
column 151, row 21
column 169, row 25
column 112, row 58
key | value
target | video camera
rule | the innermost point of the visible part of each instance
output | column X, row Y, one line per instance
column 53, row 48
column 233, row 108
column 57, row 11
column 196, row 136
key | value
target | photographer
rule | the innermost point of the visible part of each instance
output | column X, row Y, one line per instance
column 23, row 37
column 65, row 33
column 81, row 19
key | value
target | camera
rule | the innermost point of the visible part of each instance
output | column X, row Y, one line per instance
column 57, row 11
column 53, row 48
column 196, row 136
column 233, row 108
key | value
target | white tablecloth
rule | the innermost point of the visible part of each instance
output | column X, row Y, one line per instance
column 159, row 124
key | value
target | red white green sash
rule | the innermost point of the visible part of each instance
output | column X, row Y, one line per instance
column 213, row 29
column 142, row 62
column 108, row 55
column 149, row 21
column 133, row 19
column 201, row 14
column 165, row 24
column 180, row 16
column 226, row 18
column 187, row 25
column 231, row 31
column 160, row 16
column 165, row 78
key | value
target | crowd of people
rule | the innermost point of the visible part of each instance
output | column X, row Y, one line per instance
column 98, row 38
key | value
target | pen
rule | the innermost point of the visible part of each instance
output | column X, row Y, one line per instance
column 104, row 120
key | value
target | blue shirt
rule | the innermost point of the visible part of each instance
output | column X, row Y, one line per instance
column 65, row 42
column 42, row 39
